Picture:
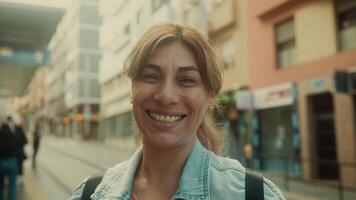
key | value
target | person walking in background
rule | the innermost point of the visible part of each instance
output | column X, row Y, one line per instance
column 176, row 76
column 21, row 141
column 248, row 153
column 8, row 161
column 36, row 143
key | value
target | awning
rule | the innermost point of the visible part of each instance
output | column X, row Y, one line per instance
column 25, row 31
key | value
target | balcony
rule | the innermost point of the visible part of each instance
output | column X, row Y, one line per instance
column 347, row 38
column 222, row 15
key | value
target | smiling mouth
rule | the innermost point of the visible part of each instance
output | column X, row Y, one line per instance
column 167, row 119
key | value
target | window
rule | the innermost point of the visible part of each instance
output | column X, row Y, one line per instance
column 285, row 42
column 89, row 14
column 82, row 87
column 156, row 4
column 120, row 126
column 89, row 38
column 84, row 63
column 127, row 29
column 227, row 50
column 125, row 124
column 110, row 126
column 346, row 22
column 94, row 88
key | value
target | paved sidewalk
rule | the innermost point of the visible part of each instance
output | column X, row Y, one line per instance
column 38, row 184
column 79, row 159
column 68, row 162
column 31, row 188
column 299, row 189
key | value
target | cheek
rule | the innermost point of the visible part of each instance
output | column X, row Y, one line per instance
column 139, row 91
column 138, row 95
column 199, row 102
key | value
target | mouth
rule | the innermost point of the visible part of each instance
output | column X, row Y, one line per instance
column 164, row 118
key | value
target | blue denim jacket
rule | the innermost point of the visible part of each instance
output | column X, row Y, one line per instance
column 205, row 176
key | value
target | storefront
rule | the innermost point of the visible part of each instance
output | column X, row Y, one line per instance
column 119, row 126
column 327, row 121
column 276, row 129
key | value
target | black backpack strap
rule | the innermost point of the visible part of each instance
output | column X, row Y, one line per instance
column 253, row 186
column 90, row 186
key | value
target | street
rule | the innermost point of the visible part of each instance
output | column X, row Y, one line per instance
column 64, row 163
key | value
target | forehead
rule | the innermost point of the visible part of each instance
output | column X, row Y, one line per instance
column 173, row 54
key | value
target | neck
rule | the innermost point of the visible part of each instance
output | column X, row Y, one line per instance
column 162, row 167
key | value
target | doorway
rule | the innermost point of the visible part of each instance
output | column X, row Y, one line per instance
column 276, row 138
column 324, row 138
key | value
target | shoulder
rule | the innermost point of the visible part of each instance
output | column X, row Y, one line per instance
column 271, row 191
column 227, row 177
column 117, row 170
column 5, row 128
column 108, row 176
column 225, row 172
column 77, row 194
column 225, row 165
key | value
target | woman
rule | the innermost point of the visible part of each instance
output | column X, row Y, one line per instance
column 8, row 161
column 21, row 141
column 175, row 76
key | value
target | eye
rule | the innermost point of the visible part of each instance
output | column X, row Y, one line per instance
column 149, row 77
column 187, row 81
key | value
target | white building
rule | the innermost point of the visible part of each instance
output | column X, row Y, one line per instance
column 74, row 92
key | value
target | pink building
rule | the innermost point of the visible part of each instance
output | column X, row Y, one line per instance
column 304, row 109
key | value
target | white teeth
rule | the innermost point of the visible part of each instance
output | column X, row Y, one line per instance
column 165, row 118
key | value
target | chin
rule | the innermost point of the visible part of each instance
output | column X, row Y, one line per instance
column 165, row 141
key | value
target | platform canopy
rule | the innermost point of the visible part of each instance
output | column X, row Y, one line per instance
column 25, row 31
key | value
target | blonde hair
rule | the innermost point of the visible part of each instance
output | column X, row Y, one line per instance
column 209, row 65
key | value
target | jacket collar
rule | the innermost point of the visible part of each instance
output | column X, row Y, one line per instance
column 117, row 181
column 194, row 180
column 193, row 184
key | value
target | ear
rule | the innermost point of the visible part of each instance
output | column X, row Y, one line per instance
column 211, row 104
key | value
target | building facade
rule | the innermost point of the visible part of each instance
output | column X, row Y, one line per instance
column 74, row 92
column 228, row 33
column 297, row 52
column 33, row 102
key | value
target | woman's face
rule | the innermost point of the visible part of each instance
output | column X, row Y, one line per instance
column 169, row 97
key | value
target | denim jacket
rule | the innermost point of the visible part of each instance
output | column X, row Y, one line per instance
column 205, row 176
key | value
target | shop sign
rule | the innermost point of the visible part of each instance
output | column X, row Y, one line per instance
column 243, row 100
column 275, row 96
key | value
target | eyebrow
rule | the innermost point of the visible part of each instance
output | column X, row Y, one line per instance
column 180, row 68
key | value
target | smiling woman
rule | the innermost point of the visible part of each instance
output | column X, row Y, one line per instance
column 196, row 64
column 175, row 76
column 169, row 99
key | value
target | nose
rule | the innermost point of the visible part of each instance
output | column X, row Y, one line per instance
column 166, row 93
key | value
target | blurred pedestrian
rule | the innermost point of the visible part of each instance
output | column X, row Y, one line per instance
column 8, row 162
column 21, row 141
column 36, row 143
column 248, row 153
column 175, row 78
